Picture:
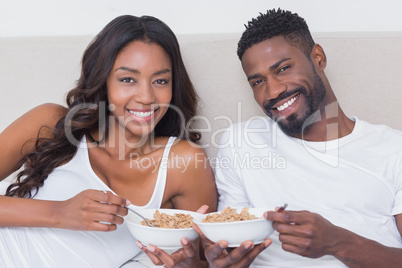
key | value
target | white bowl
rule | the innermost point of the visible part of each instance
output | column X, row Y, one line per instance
column 161, row 237
column 238, row 231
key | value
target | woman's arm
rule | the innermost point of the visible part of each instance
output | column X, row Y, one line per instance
column 82, row 212
column 15, row 141
column 19, row 138
column 90, row 210
column 193, row 177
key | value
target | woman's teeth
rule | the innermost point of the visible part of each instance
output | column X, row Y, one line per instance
column 141, row 114
column 287, row 104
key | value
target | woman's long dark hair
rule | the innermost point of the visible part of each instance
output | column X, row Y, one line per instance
column 82, row 117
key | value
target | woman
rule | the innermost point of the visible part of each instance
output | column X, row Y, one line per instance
column 114, row 145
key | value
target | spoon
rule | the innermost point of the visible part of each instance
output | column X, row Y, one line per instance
column 282, row 208
column 138, row 214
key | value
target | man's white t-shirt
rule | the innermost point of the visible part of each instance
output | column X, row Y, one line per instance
column 355, row 182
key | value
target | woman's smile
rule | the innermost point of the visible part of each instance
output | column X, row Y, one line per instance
column 143, row 115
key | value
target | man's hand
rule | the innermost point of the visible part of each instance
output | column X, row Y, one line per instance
column 304, row 233
column 218, row 255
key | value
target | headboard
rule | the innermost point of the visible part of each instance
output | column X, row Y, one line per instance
column 363, row 68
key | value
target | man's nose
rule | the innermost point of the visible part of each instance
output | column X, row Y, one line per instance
column 274, row 88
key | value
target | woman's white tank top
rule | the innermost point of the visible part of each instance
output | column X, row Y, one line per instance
column 51, row 247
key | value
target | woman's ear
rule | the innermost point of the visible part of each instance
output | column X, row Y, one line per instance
column 318, row 57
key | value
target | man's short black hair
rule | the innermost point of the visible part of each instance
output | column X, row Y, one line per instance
column 277, row 23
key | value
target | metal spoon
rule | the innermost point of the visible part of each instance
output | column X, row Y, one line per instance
column 138, row 214
column 282, row 208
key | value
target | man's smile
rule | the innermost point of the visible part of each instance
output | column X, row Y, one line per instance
column 287, row 104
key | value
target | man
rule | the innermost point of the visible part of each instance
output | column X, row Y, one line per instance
column 341, row 176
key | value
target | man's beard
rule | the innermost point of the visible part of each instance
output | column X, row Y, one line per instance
column 294, row 125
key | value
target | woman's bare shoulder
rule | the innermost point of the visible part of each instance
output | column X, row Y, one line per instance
column 49, row 111
column 47, row 114
column 20, row 136
column 187, row 148
column 190, row 157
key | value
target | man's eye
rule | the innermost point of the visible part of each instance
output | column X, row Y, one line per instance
column 257, row 82
column 284, row 68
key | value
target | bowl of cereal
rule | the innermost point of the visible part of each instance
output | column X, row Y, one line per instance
column 235, row 225
column 170, row 226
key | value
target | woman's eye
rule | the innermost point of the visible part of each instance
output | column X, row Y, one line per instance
column 161, row 81
column 127, row 80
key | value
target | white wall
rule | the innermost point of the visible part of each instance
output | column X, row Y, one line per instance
column 83, row 17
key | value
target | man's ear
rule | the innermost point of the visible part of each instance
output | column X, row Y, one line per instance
column 318, row 57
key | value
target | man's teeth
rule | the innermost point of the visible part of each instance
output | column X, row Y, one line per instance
column 141, row 114
column 286, row 104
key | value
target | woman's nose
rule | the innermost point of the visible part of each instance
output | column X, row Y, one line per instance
column 144, row 94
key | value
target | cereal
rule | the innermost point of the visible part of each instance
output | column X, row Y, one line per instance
column 229, row 214
column 176, row 221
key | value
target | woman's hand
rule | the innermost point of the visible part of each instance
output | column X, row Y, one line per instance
column 187, row 256
column 91, row 210
column 218, row 255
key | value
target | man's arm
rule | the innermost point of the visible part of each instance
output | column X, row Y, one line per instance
column 363, row 252
column 310, row 235
column 228, row 182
